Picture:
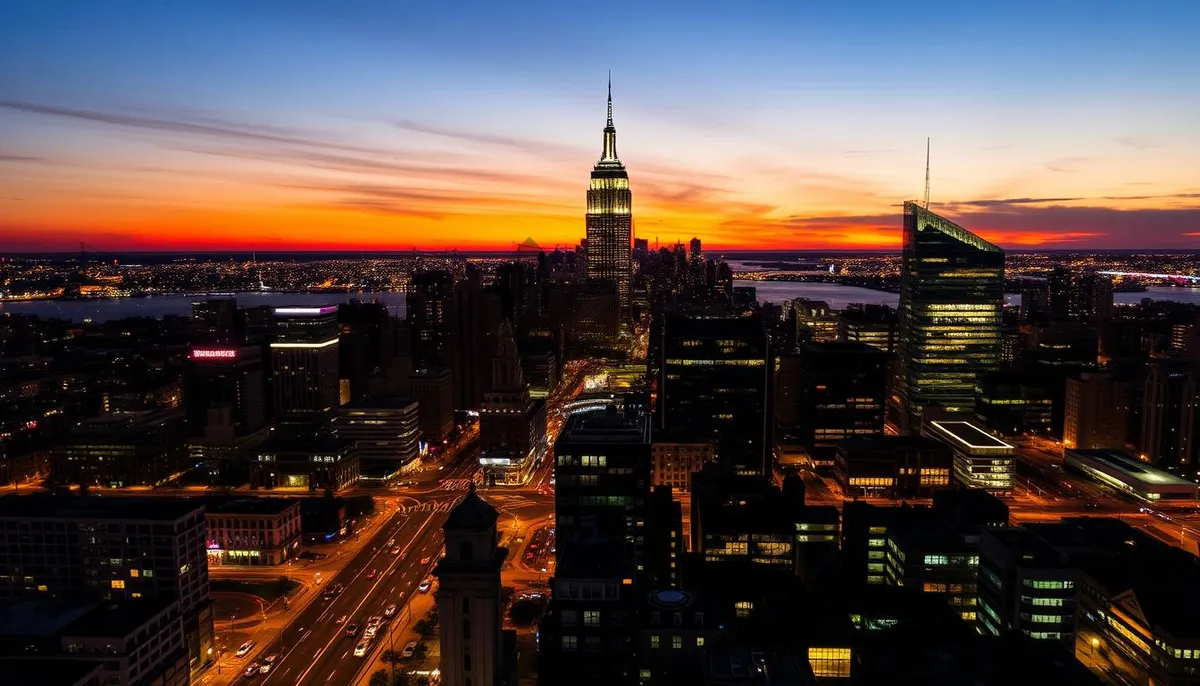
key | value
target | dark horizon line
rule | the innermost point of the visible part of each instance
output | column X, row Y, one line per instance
column 99, row 254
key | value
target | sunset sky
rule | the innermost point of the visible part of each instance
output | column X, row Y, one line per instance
column 393, row 124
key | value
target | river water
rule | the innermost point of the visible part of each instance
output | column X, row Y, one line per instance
column 837, row 295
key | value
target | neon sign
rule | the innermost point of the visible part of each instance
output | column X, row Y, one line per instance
column 214, row 354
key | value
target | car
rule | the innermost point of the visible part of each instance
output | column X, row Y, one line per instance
column 341, row 620
column 352, row 630
column 371, row 574
column 390, row 610
column 425, row 560
column 396, row 550
column 424, row 587
column 267, row 663
column 409, row 649
column 245, row 648
column 392, row 542
column 370, row 632
column 251, row 670
column 361, row 649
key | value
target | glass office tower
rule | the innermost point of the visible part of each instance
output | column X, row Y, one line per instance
column 951, row 302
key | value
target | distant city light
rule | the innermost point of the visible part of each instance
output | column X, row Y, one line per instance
column 304, row 311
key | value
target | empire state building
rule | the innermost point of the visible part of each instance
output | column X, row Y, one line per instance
column 610, row 219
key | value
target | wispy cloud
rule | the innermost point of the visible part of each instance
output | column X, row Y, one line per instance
column 528, row 145
column 19, row 158
column 205, row 126
column 1139, row 142
column 1066, row 164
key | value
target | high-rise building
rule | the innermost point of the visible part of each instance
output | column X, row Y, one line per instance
column 842, row 391
column 476, row 650
column 1097, row 412
column 981, row 460
column 1079, row 296
column 951, row 306
column 433, row 389
column 695, row 253
column 386, row 432
column 716, row 374
column 110, row 548
column 224, row 400
column 304, row 364
column 363, row 347
column 601, row 500
column 474, row 316
column 1170, row 415
column 512, row 425
column 122, row 449
column 428, row 307
column 216, row 322
column 610, row 219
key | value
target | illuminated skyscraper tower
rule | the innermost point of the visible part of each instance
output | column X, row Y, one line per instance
column 610, row 219
column 951, row 302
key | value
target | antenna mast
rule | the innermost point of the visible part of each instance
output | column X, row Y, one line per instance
column 926, row 173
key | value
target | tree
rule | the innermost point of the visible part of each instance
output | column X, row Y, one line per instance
column 391, row 657
column 380, row 678
column 424, row 628
column 421, row 651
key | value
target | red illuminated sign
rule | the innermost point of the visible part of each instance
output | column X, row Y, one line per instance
column 214, row 354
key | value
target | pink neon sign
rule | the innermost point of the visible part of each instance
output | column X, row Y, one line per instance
column 214, row 354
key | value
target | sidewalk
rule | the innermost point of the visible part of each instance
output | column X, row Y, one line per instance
column 400, row 632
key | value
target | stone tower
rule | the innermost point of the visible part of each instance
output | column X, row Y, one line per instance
column 475, row 649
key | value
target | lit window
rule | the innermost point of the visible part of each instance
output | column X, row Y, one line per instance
column 133, row 573
column 591, row 617
column 699, row 641
column 653, row 641
column 118, row 583
column 677, row 642
column 742, row 608
column 570, row 642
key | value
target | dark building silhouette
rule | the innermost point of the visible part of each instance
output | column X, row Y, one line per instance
column 473, row 319
column 841, row 391
column 601, row 499
column 895, row 467
column 224, row 400
column 122, row 449
column 512, row 425
column 216, row 322
column 362, row 345
column 951, row 300
column 1170, row 426
column 428, row 308
column 717, row 374
column 475, row 649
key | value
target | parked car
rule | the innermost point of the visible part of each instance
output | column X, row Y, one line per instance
column 390, row 611
column 409, row 649
column 245, row 648
column 424, row 587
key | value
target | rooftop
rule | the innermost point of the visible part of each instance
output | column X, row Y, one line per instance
column 250, row 506
column 1133, row 468
column 968, row 435
column 472, row 513
column 605, row 426
column 94, row 506
column 116, row 620
column 380, row 402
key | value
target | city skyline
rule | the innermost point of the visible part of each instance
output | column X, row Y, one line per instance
column 294, row 127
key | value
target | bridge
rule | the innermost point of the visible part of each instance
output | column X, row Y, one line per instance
column 1168, row 277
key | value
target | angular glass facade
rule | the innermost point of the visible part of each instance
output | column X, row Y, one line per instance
column 951, row 302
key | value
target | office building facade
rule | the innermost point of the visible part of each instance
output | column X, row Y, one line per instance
column 716, row 377
column 951, row 304
column 304, row 364
column 842, row 390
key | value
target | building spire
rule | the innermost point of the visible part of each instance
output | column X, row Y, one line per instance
column 610, row 124
column 610, row 132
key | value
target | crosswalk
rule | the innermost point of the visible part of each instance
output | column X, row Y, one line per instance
column 436, row 506
column 455, row 485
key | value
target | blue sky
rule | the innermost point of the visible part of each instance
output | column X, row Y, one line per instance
column 813, row 110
